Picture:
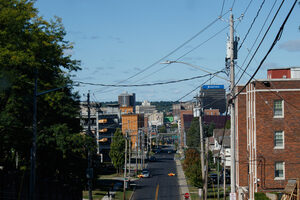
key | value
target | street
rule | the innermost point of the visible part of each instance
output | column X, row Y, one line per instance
column 160, row 184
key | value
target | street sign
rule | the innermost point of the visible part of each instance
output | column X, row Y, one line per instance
column 186, row 195
column 207, row 87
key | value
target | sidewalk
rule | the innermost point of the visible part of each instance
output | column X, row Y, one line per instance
column 181, row 180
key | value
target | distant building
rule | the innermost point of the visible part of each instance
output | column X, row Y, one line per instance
column 146, row 108
column 211, row 111
column 291, row 72
column 127, row 110
column 218, row 120
column 186, row 118
column 176, row 109
column 156, row 119
column 131, row 123
column 213, row 96
column 94, row 107
column 107, row 126
column 127, row 100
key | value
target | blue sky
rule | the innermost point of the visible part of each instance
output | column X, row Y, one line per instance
column 115, row 39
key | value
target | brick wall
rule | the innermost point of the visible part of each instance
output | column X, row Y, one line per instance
column 256, row 126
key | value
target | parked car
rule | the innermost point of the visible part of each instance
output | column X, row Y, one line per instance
column 145, row 173
column 152, row 159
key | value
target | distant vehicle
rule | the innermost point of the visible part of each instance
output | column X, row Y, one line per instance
column 157, row 151
column 152, row 159
column 146, row 173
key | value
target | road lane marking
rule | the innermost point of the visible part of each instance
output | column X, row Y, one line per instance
column 156, row 194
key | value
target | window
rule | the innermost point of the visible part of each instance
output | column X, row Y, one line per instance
column 279, row 170
column 278, row 108
column 279, row 140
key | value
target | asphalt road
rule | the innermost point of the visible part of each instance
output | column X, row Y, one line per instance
column 165, row 186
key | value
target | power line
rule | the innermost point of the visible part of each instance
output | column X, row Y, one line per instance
column 198, row 86
column 187, row 52
column 249, row 51
column 173, row 51
column 253, row 21
column 146, row 84
column 277, row 38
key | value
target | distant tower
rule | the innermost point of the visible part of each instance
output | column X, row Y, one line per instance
column 126, row 100
column 213, row 96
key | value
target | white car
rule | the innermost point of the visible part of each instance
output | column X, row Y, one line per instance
column 146, row 173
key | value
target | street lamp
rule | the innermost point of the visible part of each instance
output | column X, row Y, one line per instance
column 34, row 127
column 194, row 66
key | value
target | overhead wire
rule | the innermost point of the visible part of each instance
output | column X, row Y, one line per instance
column 173, row 51
column 193, row 49
column 146, row 84
column 263, row 38
column 258, row 35
column 276, row 39
column 198, row 86
column 253, row 21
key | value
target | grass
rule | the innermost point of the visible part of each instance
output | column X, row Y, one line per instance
column 97, row 194
column 119, row 194
column 109, row 176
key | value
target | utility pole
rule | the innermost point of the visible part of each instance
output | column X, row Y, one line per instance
column 201, row 139
column 224, row 180
column 232, row 112
column 218, row 169
column 90, row 173
column 143, row 147
column 124, row 188
column 129, row 156
column 206, row 171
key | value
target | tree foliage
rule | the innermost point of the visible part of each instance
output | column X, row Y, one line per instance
column 29, row 47
column 193, row 134
column 192, row 167
column 117, row 150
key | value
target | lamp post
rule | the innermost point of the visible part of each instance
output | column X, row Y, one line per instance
column 194, row 66
column 32, row 185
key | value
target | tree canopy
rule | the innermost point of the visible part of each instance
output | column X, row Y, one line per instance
column 117, row 150
column 29, row 47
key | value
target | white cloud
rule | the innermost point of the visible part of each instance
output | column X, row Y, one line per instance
column 291, row 46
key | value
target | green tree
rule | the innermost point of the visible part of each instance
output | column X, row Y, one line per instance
column 208, row 129
column 192, row 167
column 193, row 136
column 29, row 47
column 162, row 129
column 117, row 150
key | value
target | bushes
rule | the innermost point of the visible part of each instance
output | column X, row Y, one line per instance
column 192, row 167
column 260, row 196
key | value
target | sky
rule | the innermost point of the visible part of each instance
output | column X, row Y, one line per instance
column 125, row 42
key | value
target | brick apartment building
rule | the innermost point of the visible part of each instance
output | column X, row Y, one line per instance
column 186, row 118
column 131, row 123
column 268, row 136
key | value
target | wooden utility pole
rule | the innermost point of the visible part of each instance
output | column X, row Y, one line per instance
column 224, row 180
column 206, row 171
column 125, row 170
column 232, row 111
column 90, row 172
column 199, row 114
column 129, row 157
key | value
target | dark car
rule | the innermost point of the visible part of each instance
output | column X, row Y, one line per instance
column 152, row 159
